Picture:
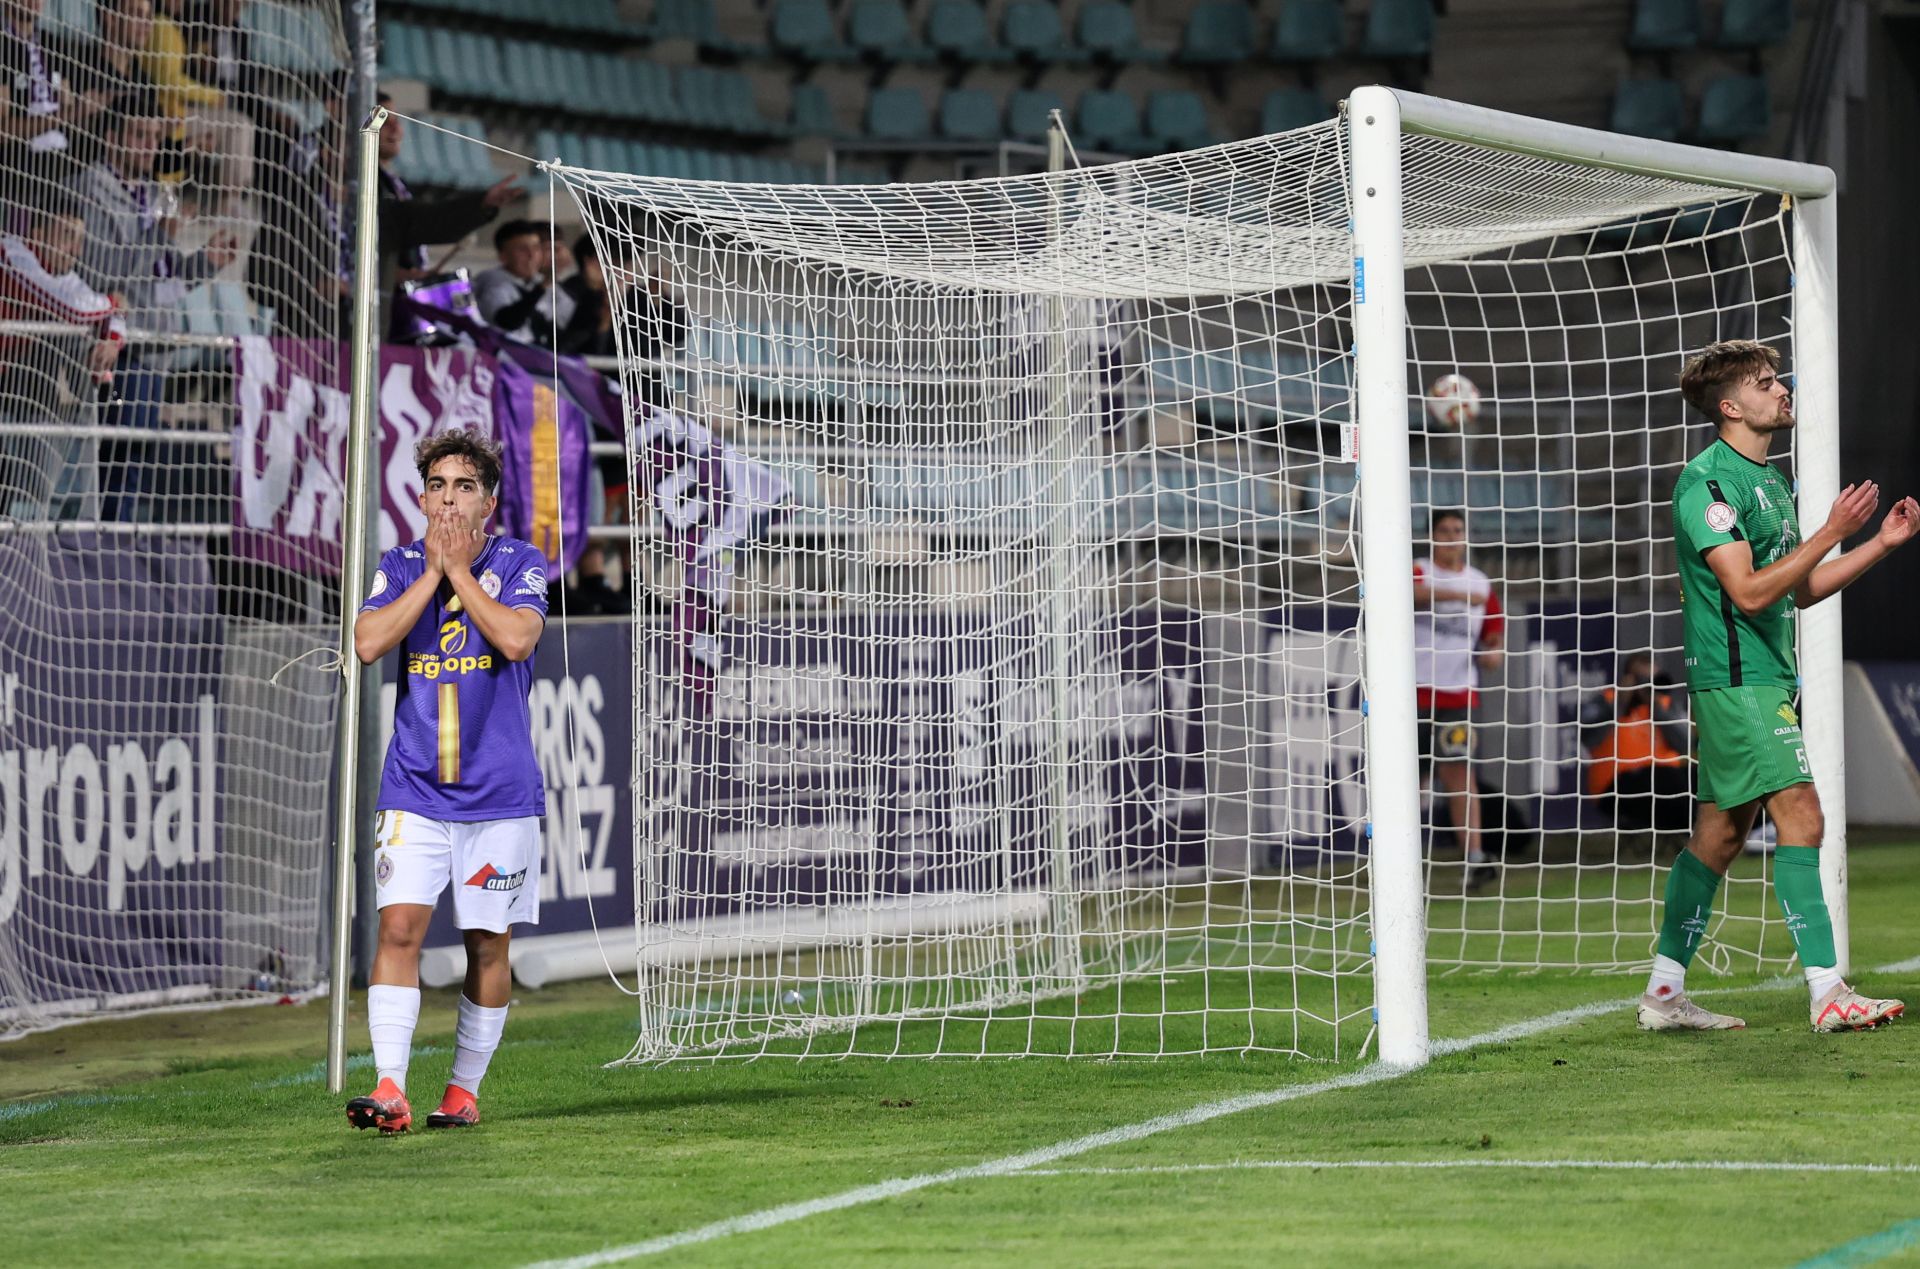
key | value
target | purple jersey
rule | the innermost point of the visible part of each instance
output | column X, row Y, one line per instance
column 462, row 745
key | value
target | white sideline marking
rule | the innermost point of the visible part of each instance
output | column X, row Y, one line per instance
column 1603, row 1165
column 787, row 1213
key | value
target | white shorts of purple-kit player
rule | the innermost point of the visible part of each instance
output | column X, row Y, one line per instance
column 493, row 865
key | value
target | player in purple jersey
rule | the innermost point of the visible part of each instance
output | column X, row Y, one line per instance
column 460, row 795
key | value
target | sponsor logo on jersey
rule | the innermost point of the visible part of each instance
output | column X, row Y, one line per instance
column 491, row 878
column 429, row 666
column 490, row 583
column 379, row 585
column 1720, row 517
column 453, row 637
column 1760, row 493
column 1786, row 713
column 383, row 871
column 532, row 582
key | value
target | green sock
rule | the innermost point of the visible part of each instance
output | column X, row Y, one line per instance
column 1796, row 884
column 1690, row 889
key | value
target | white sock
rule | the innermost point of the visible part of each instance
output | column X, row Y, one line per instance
column 1821, row 979
column 475, row 1037
column 1669, row 978
column 392, row 1014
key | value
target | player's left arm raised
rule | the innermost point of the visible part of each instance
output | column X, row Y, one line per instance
column 1834, row 576
column 515, row 631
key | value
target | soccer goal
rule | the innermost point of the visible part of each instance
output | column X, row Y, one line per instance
column 1031, row 668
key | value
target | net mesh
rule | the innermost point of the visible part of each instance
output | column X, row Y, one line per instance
column 1003, row 691
column 170, row 183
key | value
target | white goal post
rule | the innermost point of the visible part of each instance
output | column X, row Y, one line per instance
column 1026, row 662
column 1378, row 121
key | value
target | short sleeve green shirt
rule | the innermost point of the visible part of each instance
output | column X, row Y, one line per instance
column 1723, row 496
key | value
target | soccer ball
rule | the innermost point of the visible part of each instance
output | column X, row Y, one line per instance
column 1453, row 401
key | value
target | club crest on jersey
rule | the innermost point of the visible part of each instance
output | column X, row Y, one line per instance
column 453, row 637
column 491, row 878
column 490, row 583
column 383, row 871
column 1720, row 517
column 1787, row 715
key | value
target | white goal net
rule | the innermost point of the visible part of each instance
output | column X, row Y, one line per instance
column 170, row 185
column 1006, row 688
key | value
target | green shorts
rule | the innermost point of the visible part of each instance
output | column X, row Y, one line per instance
column 1750, row 744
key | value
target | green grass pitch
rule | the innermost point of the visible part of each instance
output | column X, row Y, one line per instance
column 210, row 1139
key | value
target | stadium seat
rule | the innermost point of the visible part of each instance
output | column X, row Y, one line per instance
column 1176, row 119
column 810, row 112
column 1399, row 29
column 1105, row 31
column 1664, row 26
column 804, row 29
column 897, row 114
column 1755, row 23
column 1027, row 113
column 1649, row 108
column 1219, row 33
column 1031, row 31
column 693, row 20
column 879, row 31
column 1309, row 31
column 1288, row 108
column 299, row 40
column 403, row 52
column 969, row 114
column 1735, row 108
column 1110, row 121
column 957, row 31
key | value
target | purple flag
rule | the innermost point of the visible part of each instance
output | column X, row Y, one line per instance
column 543, row 485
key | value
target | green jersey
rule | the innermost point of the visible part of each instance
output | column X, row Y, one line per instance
column 1723, row 496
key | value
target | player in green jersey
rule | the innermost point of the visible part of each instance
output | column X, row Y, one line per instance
column 1743, row 570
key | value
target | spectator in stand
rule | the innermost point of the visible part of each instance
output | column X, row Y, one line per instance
column 301, row 261
column 107, row 67
column 44, row 378
column 209, row 82
column 519, row 297
column 1637, row 738
column 34, row 141
column 409, row 225
column 130, row 253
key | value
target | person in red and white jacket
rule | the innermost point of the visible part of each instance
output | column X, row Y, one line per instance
column 42, row 371
column 1458, row 630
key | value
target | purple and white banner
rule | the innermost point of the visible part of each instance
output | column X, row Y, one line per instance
column 290, row 434
column 110, row 811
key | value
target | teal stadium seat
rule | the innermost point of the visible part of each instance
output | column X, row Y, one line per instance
column 403, row 52
column 1218, row 33
column 969, row 114
column 1106, row 32
column 695, row 21
column 897, row 114
column 1288, row 108
column 1028, row 110
column 1653, row 108
column 1176, row 119
column 1399, row 29
column 957, row 31
column 1108, row 120
column 1031, row 31
column 1754, row 24
column 879, row 31
column 1735, row 108
column 804, row 29
column 1664, row 26
column 810, row 112
column 1309, row 31
column 299, row 40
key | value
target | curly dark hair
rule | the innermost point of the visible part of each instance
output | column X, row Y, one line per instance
column 461, row 442
column 1716, row 370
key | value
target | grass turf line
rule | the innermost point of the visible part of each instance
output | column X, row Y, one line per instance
column 215, row 1162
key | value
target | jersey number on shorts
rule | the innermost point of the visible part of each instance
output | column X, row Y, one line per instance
column 449, row 733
